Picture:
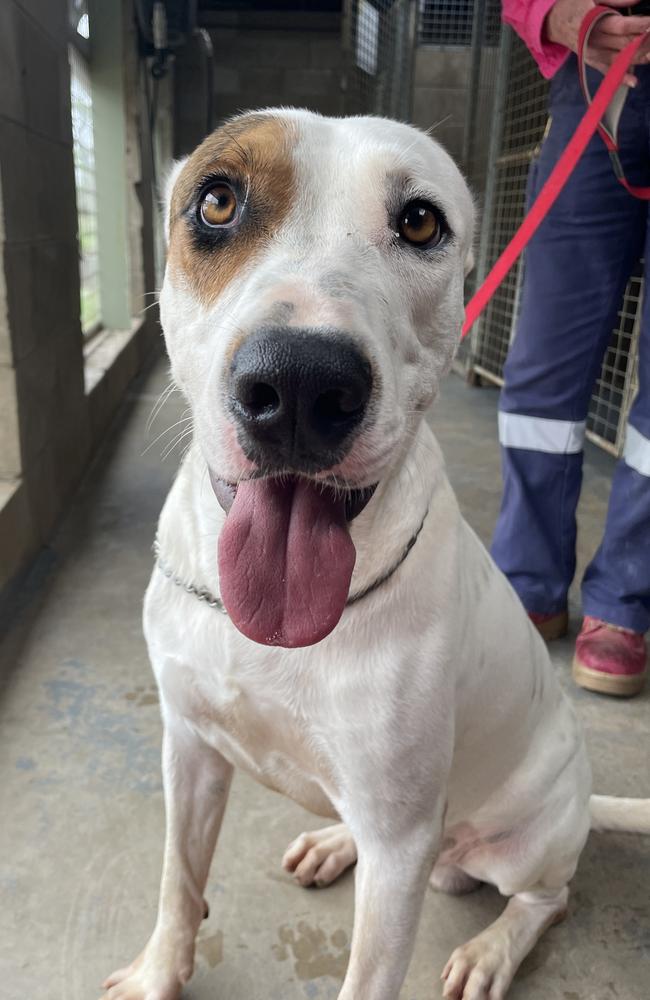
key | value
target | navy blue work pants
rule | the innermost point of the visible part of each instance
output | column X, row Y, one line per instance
column 576, row 270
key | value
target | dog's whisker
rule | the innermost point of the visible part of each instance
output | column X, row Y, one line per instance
column 185, row 415
column 182, row 423
column 183, row 420
column 177, row 437
column 185, row 451
column 168, row 449
column 149, row 306
column 441, row 121
column 171, row 448
column 168, row 391
column 205, row 475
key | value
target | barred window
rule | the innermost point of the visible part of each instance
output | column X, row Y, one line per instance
column 367, row 37
column 84, row 171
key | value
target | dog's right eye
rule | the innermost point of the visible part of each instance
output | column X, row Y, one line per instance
column 218, row 206
column 420, row 224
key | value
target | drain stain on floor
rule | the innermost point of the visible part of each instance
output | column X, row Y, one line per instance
column 211, row 948
column 142, row 696
column 314, row 954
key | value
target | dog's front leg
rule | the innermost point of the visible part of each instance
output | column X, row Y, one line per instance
column 196, row 781
column 391, row 878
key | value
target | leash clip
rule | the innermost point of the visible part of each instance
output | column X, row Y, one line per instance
column 617, row 166
column 608, row 124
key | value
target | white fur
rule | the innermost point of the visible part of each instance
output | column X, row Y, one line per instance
column 429, row 725
column 167, row 188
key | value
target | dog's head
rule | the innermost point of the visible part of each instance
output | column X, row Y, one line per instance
column 313, row 299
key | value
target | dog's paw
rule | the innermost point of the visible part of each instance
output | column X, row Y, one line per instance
column 478, row 970
column 319, row 857
column 150, row 977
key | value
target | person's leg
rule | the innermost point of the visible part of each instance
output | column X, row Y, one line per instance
column 616, row 585
column 577, row 266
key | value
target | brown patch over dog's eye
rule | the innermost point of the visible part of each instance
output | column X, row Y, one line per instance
column 245, row 168
column 218, row 205
column 420, row 225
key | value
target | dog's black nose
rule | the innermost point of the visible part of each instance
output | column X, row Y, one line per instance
column 297, row 395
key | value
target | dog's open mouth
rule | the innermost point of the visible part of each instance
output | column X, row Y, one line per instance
column 286, row 556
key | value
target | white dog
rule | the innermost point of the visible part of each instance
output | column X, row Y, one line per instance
column 370, row 661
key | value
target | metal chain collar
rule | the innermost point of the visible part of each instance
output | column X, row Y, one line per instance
column 200, row 592
column 215, row 602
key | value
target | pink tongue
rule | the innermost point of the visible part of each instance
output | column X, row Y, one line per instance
column 285, row 561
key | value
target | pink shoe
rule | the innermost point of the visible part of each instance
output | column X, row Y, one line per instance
column 609, row 659
column 550, row 627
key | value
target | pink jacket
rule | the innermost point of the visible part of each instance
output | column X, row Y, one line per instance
column 527, row 18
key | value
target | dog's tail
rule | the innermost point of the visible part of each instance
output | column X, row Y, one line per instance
column 625, row 815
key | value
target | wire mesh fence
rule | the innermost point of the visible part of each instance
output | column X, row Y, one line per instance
column 474, row 25
column 617, row 383
column 446, row 22
column 454, row 22
column 379, row 47
column 517, row 127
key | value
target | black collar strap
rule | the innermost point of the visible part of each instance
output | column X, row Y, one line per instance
column 215, row 602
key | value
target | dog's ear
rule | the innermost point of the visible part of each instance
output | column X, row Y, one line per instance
column 168, row 187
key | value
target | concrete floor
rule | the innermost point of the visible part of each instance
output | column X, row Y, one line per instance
column 81, row 803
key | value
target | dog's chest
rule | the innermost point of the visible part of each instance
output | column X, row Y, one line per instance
column 250, row 724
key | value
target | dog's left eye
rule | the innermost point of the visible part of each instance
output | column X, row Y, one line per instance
column 218, row 206
column 420, row 224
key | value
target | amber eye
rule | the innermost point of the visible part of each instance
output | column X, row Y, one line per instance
column 419, row 224
column 219, row 205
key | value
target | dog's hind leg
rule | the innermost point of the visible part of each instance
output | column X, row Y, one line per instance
column 319, row 857
column 196, row 782
column 452, row 880
column 483, row 968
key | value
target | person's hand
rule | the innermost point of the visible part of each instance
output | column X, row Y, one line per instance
column 610, row 35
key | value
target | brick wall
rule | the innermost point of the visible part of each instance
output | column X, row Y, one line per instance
column 440, row 94
column 440, row 99
column 260, row 60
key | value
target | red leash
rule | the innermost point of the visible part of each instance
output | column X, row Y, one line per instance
column 565, row 166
